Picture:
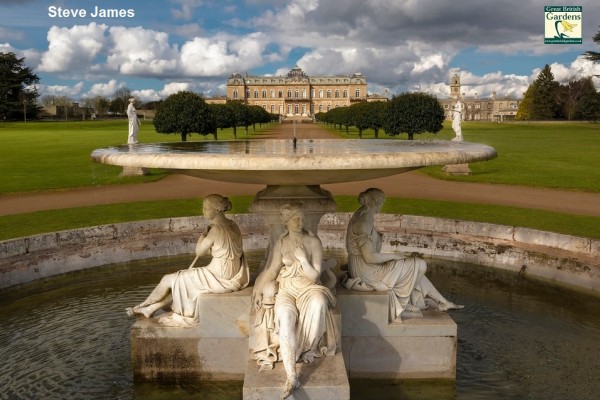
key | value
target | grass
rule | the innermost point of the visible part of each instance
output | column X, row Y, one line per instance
column 57, row 220
column 45, row 156
column 56, row 155
column 552, row 155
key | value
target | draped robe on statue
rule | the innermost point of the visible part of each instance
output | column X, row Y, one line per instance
column 397, row 277
column 226, row 272
column 316, row 332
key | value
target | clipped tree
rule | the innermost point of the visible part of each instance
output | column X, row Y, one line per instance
column 224, row 116
column 184, row 113
column 258, row 115
column 377, row 112
column 413, row 113
column 241, row 114
column 361, row 116
column 17, row 88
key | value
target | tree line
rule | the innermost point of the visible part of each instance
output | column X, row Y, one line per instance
column 547, row 99
column 187, row 112
column 410, row 113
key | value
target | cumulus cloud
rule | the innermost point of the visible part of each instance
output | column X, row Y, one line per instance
column 107, row 89
column 398, row 45
column 72, row 49
column 73, row 91
column 142, row 52
column 222, row 55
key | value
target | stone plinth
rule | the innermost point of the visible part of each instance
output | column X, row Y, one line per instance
column 375, row 348
column 324, row 379
column 457, row 169
column 372, row 347
column 217, row 349
column 134, row 171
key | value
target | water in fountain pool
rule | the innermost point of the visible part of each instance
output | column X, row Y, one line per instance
column 68, row 337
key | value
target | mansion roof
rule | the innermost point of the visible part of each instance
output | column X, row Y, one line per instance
column 295, row 75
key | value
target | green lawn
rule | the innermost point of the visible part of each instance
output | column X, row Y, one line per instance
column 553, row 155
column 55, row 155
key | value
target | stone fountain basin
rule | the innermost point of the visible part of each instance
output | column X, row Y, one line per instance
column 279, row 162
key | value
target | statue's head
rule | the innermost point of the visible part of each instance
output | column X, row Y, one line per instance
column 372, row 198
column 131, row 100
column 217, row 202
column 292, row 211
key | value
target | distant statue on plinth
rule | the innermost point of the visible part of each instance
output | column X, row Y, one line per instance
column 134, row 123
column 457, row 112
column 293, row 320
column 227, row 271
column 402, row 276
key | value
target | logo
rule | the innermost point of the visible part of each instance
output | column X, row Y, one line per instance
column 562, row 24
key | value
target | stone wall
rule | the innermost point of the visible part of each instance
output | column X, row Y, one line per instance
column 563, row 260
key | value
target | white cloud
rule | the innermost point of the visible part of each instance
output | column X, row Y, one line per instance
column 141, row 52
column 72, row 92
column 72, row 49
column 222, row 55
column 105, row 89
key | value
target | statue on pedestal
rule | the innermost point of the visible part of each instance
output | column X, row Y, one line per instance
column 293, row 320
column 134, row 123
column 403, row 277
column 226, row 272
column 457, row 112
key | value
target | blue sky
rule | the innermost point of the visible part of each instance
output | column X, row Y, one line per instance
column 162, row 47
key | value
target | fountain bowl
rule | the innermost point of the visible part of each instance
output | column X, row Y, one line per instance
column 283, row 162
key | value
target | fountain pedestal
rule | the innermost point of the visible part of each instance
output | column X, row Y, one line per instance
column 372, row 347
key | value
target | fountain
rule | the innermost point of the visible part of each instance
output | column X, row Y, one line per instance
column 292, row 171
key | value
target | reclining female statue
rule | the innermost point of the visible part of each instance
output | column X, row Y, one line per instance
column 369, row 269
column 226, row 272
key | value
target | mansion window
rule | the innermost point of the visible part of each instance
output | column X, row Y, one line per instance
column 289, row 93
column 337, row 94
column 296, row 94
column 303, row 93
column 357, row 94
column 247, row 94
column 345, row 93
column 264, row 94
column 320, row 93
column 235, row 94
column 280, row 94
column 272, row 94
column 328, row 93
column 256, row 94
column 312, row 93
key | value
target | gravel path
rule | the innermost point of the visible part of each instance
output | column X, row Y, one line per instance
column 411, row 185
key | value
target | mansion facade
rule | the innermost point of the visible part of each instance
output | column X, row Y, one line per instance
column 298, row 94
column 478, row 109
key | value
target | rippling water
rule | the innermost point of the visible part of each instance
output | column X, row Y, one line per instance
column 68, row 338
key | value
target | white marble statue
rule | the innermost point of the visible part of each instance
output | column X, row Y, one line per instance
column 293, row 320
column 457, row 112
column 369, row 269
column 226, row 272
column 134, row 123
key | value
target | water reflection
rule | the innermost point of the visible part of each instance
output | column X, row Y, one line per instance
column 68, row 337
column 277, row 147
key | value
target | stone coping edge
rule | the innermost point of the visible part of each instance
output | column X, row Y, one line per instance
column 563, row 260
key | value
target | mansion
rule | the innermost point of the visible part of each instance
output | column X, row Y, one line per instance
column 478, row 109
column 298, row 94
